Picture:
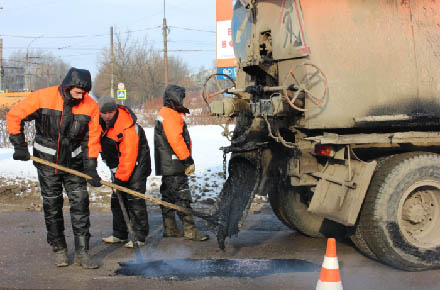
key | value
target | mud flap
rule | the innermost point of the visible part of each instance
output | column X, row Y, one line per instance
column 341, row 191
column 233, row 203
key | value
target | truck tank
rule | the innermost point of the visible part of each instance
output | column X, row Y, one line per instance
column 337, row 121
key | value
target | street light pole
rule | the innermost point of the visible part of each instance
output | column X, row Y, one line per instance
column 112, row 64
column 165, row 45
column 26, row 74
column 1, row 63
column 26, row 63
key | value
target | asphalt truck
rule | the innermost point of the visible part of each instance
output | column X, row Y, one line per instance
column 337, row 107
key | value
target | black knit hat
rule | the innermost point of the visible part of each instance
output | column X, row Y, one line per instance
column 107, row 104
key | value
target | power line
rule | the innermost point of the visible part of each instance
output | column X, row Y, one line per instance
column 195, row 42
column 192, row 29
column 189, row 50
column 20, row 61
column 47, row 37
column 55, row 48
column 77, row 36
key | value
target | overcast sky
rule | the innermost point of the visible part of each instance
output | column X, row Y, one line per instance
column 55, row 25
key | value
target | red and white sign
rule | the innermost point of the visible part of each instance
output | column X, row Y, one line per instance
column 225, row 50
column 121, row 86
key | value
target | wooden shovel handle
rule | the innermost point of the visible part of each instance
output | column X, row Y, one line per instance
column 112, row 185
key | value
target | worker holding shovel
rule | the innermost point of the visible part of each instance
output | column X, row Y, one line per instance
column 125, row 151
column 68, row 134
column 174, row 162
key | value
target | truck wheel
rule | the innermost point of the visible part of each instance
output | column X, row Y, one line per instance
column 400, row 217
column 275, row 203
column 357, row 237
column 293, row 212
column 296, row 213
column 359, row 241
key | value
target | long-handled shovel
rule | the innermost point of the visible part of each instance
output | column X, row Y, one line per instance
column 209, row 218
column 129, row 227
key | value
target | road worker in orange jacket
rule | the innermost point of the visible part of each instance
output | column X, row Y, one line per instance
column 173, row 160
column 125, row 151
column 67, row 133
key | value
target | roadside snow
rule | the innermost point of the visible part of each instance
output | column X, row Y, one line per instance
column 205, row 184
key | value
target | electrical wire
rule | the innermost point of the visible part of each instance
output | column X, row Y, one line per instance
column 77, row 36
column 192, row 29
column 54, row 48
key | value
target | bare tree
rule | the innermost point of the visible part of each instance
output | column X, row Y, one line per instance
column 44, row 70
column 140, row 67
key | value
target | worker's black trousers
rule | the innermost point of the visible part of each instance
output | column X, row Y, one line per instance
column 52, row 191
column 137, row 213
column 175, row 190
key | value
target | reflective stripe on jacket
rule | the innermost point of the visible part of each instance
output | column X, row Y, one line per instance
column 45, row 106
column 172, row 143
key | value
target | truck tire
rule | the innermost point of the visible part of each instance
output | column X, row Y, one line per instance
column 292, row 211
column 357, row 237
column 359, row 241
column 400, row 217
column 275, row 203
column 296, row 213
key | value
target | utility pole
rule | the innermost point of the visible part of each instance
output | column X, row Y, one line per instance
column 1, row 60
column 112, row 65
column 27, row 83
column 165, row 50
column 26, row 73
column 1, row 64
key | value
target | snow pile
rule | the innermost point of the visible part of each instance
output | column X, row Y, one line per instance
column 205, row 184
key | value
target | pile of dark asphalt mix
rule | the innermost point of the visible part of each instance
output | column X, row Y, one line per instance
column 190, row 269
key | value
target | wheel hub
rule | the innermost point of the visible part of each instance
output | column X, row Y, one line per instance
column 420, row 215
column 414, row 211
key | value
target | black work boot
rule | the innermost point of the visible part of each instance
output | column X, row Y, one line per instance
column 61, row 259
column 170, row 229
column 82, row 257
column 190, row 230
column 59, row 247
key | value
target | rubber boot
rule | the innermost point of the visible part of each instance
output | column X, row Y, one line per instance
column 59, row 247
column 170, row 229
column 82, row 257
column 61, row 259
column 190, row 230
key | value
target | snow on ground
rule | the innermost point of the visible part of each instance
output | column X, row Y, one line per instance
column 205, row 184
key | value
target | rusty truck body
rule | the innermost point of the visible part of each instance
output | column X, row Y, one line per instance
column 337, row 107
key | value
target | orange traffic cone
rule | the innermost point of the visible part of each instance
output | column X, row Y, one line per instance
column 330, row 278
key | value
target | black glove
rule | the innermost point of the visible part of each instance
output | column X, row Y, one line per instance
column 21, row 153
column 91, row 171
column 188, row 161
column 96, row 180
column 189, row 166
column 120, row 182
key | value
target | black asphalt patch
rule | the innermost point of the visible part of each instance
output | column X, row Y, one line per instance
column 190, row 269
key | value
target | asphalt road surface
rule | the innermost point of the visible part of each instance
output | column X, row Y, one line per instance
column 265, row 255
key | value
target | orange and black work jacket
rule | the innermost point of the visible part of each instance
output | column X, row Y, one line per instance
column 125, row 149
column 76, row 145
column 172, row 143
